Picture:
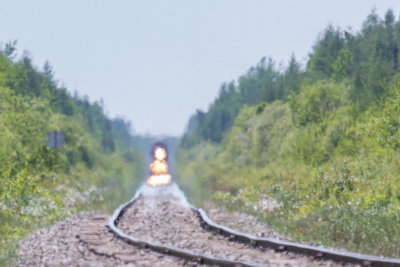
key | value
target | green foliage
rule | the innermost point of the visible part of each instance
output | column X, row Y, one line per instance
column 262, row 83
column 290, row 80
column 212, row 125
column 390, row 123
column 311, row 174
column 315, row 102
column 368, row 60
column 326, row 52
column 343, row 66
column 319, row 162
column 39, row 185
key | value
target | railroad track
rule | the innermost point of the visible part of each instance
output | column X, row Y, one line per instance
column 122, row 228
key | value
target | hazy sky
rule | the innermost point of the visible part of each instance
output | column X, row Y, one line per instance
column 155, row 62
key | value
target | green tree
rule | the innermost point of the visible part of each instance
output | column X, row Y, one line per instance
column 325, row 52
column 290, row 80
column 314, row 102
column 343, row 66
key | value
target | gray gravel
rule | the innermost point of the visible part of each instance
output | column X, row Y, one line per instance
column 241, row 222
column 165, row 221
column 84, row 240
column 161, row 216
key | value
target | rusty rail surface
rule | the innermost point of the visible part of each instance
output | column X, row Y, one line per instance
column 276, row 244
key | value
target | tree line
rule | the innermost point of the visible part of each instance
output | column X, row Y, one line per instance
column 368, row 59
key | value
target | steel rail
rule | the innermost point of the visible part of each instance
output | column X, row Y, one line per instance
column 280, row 245
column 276, row 244
column 169, row 250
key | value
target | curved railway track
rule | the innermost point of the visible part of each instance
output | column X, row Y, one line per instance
column 121, row 229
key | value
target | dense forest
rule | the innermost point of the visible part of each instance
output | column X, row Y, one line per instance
column 38, row 184
column 314, row 149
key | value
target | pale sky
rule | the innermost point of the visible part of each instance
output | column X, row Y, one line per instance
column 155, row 62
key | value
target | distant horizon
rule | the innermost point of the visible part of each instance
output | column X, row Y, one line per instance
column 154, row 63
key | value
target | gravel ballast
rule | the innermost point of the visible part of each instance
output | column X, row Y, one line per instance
column 160, row 215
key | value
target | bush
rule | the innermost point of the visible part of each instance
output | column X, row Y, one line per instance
column 317, row 101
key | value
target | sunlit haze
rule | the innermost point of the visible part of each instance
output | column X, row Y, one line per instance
column 155, row 62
